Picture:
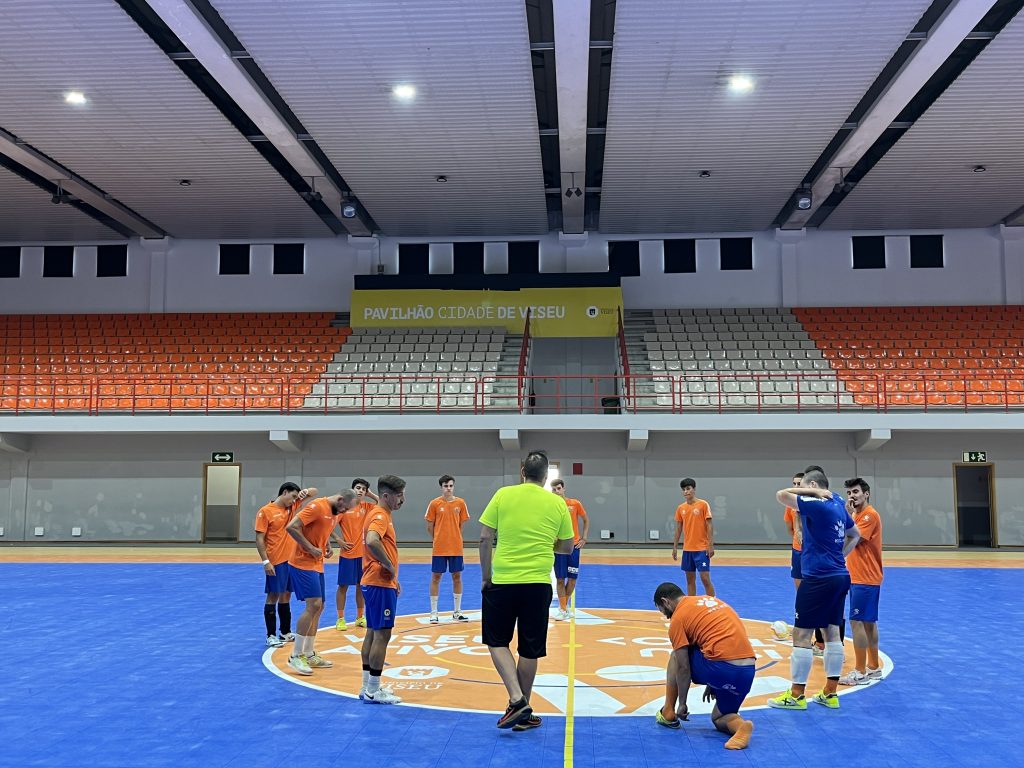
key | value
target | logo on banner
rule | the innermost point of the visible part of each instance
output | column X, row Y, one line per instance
column 620, row 658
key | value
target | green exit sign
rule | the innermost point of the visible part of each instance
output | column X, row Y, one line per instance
column 226, row 457
column 975, row 457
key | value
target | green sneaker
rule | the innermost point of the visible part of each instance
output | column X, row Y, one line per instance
column 316, row 661
column 660, row 719
column 361, row 621
column 829, row 700
column 788, row 701
column 340, row 625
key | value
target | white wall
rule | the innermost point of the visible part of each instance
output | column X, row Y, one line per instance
column 813, row 268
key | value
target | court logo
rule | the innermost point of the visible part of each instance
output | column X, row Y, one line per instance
column 620, row 658
column 593, row 311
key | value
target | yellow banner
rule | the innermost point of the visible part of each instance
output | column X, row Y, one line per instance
column 553, row 311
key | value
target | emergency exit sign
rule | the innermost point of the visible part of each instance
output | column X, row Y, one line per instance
column 975, row 457
column 226, row 457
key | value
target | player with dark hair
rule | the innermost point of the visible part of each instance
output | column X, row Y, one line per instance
column 567, row 567
column 829, row 534
column 531, row 524
column 709, row 647
column 350, row 560
column 865, row 564
column 445, row 517
column 380, row 587
column 693, row 522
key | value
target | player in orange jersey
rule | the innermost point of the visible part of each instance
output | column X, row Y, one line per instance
column 792, row 520
column 445, row 517
column 710, row 648
column 380, row 587
column 275, row 547
column 693, row 522
column 312, row 529
column 567, row 567
column 865, row 564
column 350, row 560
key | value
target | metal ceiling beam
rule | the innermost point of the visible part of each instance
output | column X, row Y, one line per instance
column 69, row 182
column 950, row 31
column 222, row 63
column 572, row 65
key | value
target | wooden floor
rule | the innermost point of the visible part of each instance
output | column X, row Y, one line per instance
column 193, row 553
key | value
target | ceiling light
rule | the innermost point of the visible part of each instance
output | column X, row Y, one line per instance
column 404, row 91
column 348, row 211
column 441, row 179
column 804, row 200
column 75, row 97
column 741, row 84
column 979, row 169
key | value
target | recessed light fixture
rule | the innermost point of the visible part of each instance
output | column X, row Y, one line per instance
column 404, row 91
column 979, row 169
column 77, row 98
column 741, row 84
column 441, row 179
column 705, row 174
column 348, row 211
column 185, row 183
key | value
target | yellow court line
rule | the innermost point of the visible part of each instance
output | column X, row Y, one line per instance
column 569, row 703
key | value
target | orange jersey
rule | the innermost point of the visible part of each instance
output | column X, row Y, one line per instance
column 712, row 626
column 447, row 517
column 790, row 517
column 317, row 523
column 576, row 511
column 865, row 560
column 271, row 521
column 374, row 575
column 352, row 528
column 695, row 531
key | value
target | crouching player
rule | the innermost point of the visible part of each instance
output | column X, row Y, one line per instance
column 710, row 648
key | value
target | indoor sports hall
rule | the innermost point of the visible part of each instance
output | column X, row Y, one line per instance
column 247, row 244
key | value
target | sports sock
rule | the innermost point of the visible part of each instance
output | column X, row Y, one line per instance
column 366, row 674
column 270, row 619
column 310, row 640
column 373, row 683
column 741, row 738
column 833, row 659
column 458, row 601
column 299, row 646
column 284, row 612
column 433, row 604
column 800, row 665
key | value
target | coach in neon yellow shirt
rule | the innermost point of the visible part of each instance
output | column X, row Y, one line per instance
column 531, row 525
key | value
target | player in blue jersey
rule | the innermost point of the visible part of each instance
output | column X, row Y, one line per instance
column 829, row 534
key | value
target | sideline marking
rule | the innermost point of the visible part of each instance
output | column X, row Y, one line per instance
column 569, row 715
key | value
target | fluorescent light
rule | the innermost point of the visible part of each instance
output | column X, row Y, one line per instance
column 75, row 97
column 405, row 92
column 741, row 84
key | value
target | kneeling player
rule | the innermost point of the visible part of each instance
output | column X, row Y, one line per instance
column 710, row 648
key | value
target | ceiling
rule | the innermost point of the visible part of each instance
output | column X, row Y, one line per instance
column 155, row 116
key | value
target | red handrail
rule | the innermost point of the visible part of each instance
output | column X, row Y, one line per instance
column 524, row 353
column 624, row 354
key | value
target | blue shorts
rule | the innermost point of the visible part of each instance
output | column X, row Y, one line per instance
column 350, row 571
column 794, row 565
column 820, row 601
column 696, row 561
column 280, row 581
column 864, row 602
column 307, row 584
column 730, row 682
column 567, row 566
column 442, row 563
column 381, row 603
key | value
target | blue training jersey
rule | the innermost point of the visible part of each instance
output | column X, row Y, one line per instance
column 825, row 522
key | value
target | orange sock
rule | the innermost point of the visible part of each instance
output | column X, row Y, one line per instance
column 741, row 739
column 860, row 656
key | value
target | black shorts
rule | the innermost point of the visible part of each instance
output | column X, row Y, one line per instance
column 821, row 601
column 508, row 607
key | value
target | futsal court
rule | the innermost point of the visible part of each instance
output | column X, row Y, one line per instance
column 115, row 663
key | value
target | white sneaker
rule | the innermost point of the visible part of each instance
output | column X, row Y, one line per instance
column 570, row 614
column 300, row 665
column 273, row 641
column 383, row 696
column 873, row 674
column 853, row 677
column 433, row 618
column 561, row 615
column 364, row 695
column 289, row 638
column 459, row 616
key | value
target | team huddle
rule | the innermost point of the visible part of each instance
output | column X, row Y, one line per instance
column 836, row 551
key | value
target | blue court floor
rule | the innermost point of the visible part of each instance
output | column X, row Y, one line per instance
column 160, row 665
